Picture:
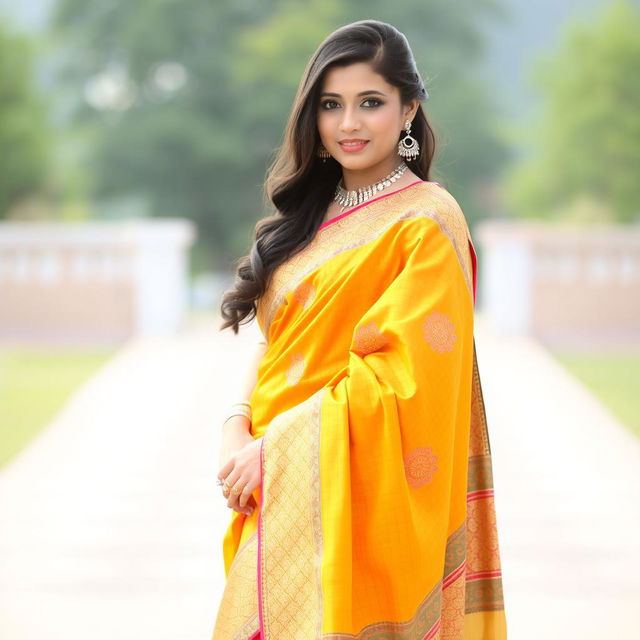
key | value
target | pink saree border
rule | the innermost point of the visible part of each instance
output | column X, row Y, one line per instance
column 474, row 264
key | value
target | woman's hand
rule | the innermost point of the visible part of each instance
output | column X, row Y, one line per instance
column 241, row 469
column 235, row 435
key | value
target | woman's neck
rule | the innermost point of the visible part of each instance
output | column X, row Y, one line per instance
column 408, row 177
column 353, row 180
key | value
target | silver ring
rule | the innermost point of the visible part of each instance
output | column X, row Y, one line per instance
column 220, row 482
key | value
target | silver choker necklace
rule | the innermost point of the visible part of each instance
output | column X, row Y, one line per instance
column 358, row 196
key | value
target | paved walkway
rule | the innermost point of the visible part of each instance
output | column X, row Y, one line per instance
column 567, row 479
column 111, row 522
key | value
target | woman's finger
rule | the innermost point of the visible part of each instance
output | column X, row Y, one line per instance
column 243, row 498
column 236, row 506
column 226, row 469
column 235, row 489
column 229, row 482
column 232, row 498
column 225, row 488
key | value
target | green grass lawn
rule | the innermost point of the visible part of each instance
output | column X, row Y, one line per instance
column 34, row 384
column 613, row 378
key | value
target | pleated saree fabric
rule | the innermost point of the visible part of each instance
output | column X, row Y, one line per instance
column 375, row 515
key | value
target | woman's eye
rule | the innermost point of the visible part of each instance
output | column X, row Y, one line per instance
column 375, row 100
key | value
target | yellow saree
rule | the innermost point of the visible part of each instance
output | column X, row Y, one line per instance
column 375, row 515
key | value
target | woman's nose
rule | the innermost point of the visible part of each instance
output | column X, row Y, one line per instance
column 349, row 120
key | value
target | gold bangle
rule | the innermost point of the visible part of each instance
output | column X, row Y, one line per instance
column 241, row 406
column 237, row 413
column 243, row 409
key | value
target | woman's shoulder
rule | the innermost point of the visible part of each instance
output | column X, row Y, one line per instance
column 433, row 201
column 436, row 194
column 436, row 204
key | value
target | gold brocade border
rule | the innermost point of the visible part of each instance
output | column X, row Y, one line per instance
column 290, row 531
column 238, row 613
column 362, row 226
column 456, row 550
column 453, row 610
column 484, row 595
column 425, row 620
column 480, row 473
column 484, row 590
column 479, row 443
column 427, row 616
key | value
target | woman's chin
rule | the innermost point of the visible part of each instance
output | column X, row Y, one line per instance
column 361, row 163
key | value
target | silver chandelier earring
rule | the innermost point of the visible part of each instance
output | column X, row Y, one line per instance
column 408, row 147
column 323, row 153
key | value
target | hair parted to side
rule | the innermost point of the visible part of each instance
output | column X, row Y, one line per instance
column 298, row 184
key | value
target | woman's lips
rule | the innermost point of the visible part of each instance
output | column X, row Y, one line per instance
column 353, row 146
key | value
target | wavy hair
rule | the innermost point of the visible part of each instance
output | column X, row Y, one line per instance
column 298, row 184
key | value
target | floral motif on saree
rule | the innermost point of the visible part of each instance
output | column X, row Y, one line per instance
column 439, row 331
column 376, row 515
column 420, row 466
column 368, row 338
column 304, row 294
column 296, row 369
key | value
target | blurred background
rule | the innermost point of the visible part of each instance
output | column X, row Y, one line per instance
column 134, row 140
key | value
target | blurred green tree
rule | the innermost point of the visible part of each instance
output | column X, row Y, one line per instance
column 189, row 102
column 24, row 134
column 585, row 146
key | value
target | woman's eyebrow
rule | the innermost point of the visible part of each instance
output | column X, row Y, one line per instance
column 362, row 93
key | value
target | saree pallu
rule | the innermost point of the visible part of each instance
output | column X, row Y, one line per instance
column 375, row 514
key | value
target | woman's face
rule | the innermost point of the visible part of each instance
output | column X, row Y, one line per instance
column 357, row 103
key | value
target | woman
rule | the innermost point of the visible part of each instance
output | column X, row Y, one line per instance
column 358, row 468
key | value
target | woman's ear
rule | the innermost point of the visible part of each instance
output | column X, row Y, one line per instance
column 411, row 109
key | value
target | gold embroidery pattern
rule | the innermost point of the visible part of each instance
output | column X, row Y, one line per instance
column 439, row 331
column 484, row 595
column 368, row 338
column 480, row 473
column 479, row 442
column 238, row 613
column 456, row 550
column 482, row 536
column 484, row 590
column 290, row 528
column 296, row 370
column 424, row 200
column 453, row 224
column 483, row 553
column 453, row 610
column 420, row 465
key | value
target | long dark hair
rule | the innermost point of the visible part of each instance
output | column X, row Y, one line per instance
column 298, row 183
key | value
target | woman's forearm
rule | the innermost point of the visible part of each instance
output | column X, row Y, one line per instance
column 251, row 377
column 241, row 424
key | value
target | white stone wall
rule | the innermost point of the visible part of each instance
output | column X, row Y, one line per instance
column 93, row 281
column 565, row 284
